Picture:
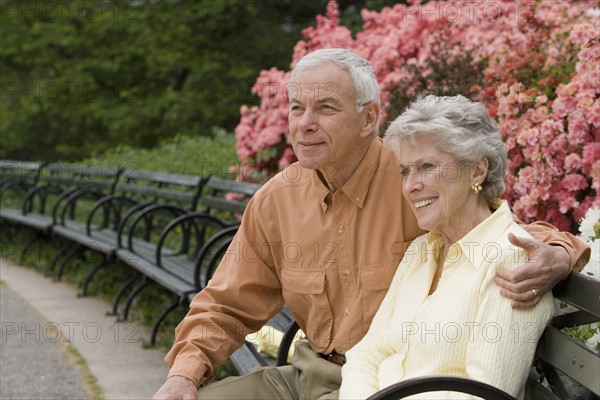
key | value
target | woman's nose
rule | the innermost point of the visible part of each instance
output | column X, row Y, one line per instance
column 413, row 182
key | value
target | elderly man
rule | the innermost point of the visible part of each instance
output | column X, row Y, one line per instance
column 341, row 209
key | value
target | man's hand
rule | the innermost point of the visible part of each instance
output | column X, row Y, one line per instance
column 525, row 285
column 176, row 388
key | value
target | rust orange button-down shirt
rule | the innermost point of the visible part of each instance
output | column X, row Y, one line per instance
column 329, row 257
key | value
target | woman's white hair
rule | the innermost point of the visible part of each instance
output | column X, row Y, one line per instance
column 462, row 128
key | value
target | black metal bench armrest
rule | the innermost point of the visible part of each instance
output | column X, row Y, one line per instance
column 130, row 214
column 210, row 255
column 286, row 343
column 441, row 383
column 8, row 185
column 200, row 221
column 11, row 183
column 43, row 191
column 71, row 202
column 60, row 201
column 144, row 213
column 107, row 203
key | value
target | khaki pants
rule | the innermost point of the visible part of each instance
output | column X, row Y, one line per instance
column 309, row 377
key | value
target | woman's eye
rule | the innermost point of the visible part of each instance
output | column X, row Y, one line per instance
column 428, row 166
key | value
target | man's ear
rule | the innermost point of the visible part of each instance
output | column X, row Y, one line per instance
column 371, row 113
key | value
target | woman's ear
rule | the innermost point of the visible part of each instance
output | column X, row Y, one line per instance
column 479, row 171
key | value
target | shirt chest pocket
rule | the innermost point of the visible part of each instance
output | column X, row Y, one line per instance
column 303, row 281
column 305, row 295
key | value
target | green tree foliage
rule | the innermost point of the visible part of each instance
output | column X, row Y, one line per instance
column 80, row 77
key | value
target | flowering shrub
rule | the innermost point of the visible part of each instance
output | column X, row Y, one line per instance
column 533, row 63
column 551, row 124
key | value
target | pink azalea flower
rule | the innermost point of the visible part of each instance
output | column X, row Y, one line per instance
column 573, row 162
column 583, row 34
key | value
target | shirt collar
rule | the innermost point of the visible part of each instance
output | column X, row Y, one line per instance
column 357, row 187
column 481, row 243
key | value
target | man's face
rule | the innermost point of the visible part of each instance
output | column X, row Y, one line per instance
column 325, row 128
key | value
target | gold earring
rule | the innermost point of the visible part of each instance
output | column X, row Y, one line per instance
column 476, row 187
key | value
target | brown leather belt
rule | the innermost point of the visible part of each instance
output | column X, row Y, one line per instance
column 335, row 358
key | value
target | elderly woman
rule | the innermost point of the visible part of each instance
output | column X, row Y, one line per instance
column 443, row 314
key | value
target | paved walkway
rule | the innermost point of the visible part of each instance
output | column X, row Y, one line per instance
column 31, row 363
column 34, row 361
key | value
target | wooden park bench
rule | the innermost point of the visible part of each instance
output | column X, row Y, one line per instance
column 106, row 224
column 182, row 255
column 16, row 179
column 169, row 228
column 49, row 199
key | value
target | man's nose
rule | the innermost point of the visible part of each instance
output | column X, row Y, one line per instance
column 308, row 122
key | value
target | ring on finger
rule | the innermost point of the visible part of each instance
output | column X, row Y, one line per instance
column 535, row 292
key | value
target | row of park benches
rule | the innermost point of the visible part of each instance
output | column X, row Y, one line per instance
column 172, row 230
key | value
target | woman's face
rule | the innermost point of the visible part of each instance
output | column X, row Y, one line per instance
column 437, row 188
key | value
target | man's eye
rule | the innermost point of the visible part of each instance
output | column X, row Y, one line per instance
column 404, row 171
column 428, row 166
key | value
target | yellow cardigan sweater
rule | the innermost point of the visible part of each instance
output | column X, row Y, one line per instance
column 465, row 328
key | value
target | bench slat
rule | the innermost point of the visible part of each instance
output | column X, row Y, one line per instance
column 246, row 359
column 571, row 357
column 581, row 292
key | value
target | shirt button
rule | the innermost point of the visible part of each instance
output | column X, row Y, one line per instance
column 347, row 311
column 357, row 199
column 346, row 271
column 341, row 229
